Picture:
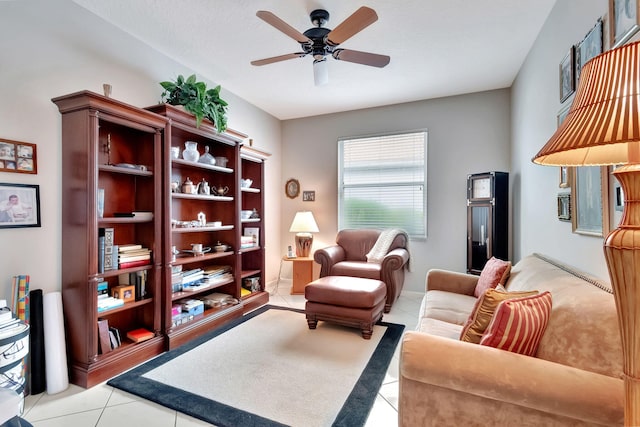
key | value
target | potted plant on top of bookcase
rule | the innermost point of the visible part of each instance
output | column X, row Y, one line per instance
column 197, row 99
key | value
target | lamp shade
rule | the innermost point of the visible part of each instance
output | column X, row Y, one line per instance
column 304, row 222
column 605, row 115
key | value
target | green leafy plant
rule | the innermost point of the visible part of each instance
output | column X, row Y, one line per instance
column 197, row 99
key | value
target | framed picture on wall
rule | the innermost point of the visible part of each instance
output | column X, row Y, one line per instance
column 590, row 47
column 18, row 157
column 565, row 177
column 624, row 23
column 564, row 206
column 567, row 75
column 590, row 189
column 19, row 205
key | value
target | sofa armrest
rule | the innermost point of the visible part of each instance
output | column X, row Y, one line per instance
column 327, row 257
column 395, row 259
column 451, row 281
column 517, row 380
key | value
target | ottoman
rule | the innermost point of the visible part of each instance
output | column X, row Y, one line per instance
column 349, row 301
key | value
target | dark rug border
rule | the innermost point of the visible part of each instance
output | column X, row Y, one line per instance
column 354, row 412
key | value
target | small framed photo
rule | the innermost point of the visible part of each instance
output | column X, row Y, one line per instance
column 18, row 157
column 624, row 21
column 565, row 177
column 125, row 293
column 253, row 232
column 590, row 47
column 564, row 206
column 308, row 196
column 19, row 205
column 567, row 75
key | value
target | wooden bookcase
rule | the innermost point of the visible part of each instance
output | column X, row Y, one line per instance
column 252, row 260
column 109, row 145
column 125, row 152
column 180, row 209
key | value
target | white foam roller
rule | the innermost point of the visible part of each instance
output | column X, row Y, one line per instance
column 55, row 353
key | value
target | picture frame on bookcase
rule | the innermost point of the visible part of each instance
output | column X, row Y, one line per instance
column 17, row 157
column 19, row 205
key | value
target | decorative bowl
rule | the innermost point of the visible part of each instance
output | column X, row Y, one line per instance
column 246, row 183
column 246, row 214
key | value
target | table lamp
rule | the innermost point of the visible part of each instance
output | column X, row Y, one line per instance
column 603, row 128
column 303, row 225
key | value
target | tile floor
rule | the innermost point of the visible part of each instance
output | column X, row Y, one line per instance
column 105, row 406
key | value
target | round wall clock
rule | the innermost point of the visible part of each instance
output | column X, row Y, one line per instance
column 292, row 188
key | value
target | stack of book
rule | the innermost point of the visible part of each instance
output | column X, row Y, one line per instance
column 133, row 255
column 176, row 278
column 105, row 302
column 247, row 242
column 191, row 278
column 216, row 274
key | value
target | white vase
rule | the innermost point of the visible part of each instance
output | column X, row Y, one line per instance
column 190, row 152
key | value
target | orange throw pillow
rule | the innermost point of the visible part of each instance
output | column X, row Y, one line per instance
column 494, row 273
column 518, row 324
column 483, row 312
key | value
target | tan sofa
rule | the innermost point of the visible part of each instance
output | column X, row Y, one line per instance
column 574, row 380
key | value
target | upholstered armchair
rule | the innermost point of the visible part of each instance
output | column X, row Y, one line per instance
column 348, row 257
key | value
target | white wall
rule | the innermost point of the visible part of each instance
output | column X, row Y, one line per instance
column 535, row 104
column 52, row 48
column 467, row 134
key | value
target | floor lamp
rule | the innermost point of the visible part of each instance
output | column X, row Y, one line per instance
column 603, row 128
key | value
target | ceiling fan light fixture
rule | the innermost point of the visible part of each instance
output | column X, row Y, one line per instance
column 320, row 72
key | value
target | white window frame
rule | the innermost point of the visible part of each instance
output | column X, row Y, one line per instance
column 418, row 229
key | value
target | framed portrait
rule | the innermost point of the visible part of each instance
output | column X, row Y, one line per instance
column 567, row 75
column 565, row 177
column 18, row 157
column 590, row 47
column 19, row 205
column 308, row 196
column 624, row 23
column 590, row 189
column 564, row 206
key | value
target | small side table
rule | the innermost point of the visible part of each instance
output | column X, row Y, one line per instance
column 302, row 273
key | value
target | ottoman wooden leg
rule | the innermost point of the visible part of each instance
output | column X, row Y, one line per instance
column 367, row 331
column 312, row 322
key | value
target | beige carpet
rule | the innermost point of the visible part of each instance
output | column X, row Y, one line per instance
column 274, row 366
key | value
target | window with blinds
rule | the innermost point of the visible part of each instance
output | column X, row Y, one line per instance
column 382, row 182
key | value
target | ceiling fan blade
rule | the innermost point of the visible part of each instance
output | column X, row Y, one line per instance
column 364, row 58
column 279, row 58
column 279, row 24
column 358, row 21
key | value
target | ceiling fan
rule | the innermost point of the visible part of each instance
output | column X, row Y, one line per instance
column 321, row 42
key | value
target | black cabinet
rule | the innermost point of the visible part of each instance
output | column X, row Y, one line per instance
column 487, row 219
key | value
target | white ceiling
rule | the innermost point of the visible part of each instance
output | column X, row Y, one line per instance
column 437, row 47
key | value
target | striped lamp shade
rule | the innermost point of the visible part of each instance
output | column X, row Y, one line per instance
column 605, row 115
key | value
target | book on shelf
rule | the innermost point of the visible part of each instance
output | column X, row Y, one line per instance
column 104, row 339
column 105, row 302
column 131, row 258
column 132, row 264
column 114, row 337
column 139, row 335
column 129, row 247
column 108, row 249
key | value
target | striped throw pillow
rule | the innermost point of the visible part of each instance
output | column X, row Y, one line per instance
column 518, row 324
column 484, row 310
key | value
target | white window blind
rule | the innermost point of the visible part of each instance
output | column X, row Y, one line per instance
column 382, row 182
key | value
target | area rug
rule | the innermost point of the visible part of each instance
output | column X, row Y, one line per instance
column 269, row 369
